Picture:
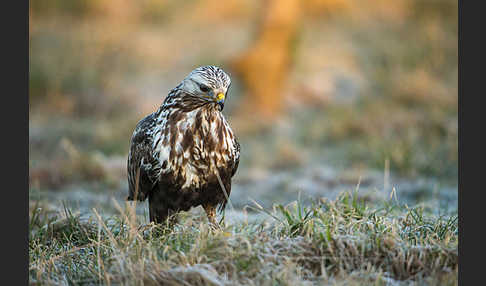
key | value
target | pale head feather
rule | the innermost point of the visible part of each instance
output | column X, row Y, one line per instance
column 211, row 77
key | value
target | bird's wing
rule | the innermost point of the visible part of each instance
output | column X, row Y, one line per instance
column 143, row 168
column 237, row 158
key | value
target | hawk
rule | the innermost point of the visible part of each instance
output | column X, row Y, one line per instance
column 185, row 153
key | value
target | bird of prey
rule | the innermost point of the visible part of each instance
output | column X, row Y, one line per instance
column 185, row 153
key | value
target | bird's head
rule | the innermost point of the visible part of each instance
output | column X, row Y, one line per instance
column 208, row 83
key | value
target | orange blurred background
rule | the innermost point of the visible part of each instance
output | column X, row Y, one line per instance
column 353, row 84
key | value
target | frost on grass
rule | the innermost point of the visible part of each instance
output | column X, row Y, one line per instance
column 340, row 242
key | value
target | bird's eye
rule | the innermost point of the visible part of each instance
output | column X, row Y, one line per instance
column 203, row 88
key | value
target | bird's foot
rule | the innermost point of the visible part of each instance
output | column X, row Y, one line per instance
column 211, row 214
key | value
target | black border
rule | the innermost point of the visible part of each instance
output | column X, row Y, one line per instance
column 471, row 163
column 15, row 143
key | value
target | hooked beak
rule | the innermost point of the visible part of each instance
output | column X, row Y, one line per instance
column 220, row 99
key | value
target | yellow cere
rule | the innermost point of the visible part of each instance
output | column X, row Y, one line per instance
column 220, row 96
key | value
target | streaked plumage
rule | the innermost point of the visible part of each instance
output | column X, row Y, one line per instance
column 177, row 152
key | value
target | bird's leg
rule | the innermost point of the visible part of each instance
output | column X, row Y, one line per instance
column 160, row 214
column 166, row 217
column 211, row 213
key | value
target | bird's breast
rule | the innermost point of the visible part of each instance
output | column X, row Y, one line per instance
column 193, row 148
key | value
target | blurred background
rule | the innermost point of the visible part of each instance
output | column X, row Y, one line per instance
column 326, row 95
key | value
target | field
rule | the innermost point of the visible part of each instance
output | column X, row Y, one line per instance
column 339, row 242
column 352, row 182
